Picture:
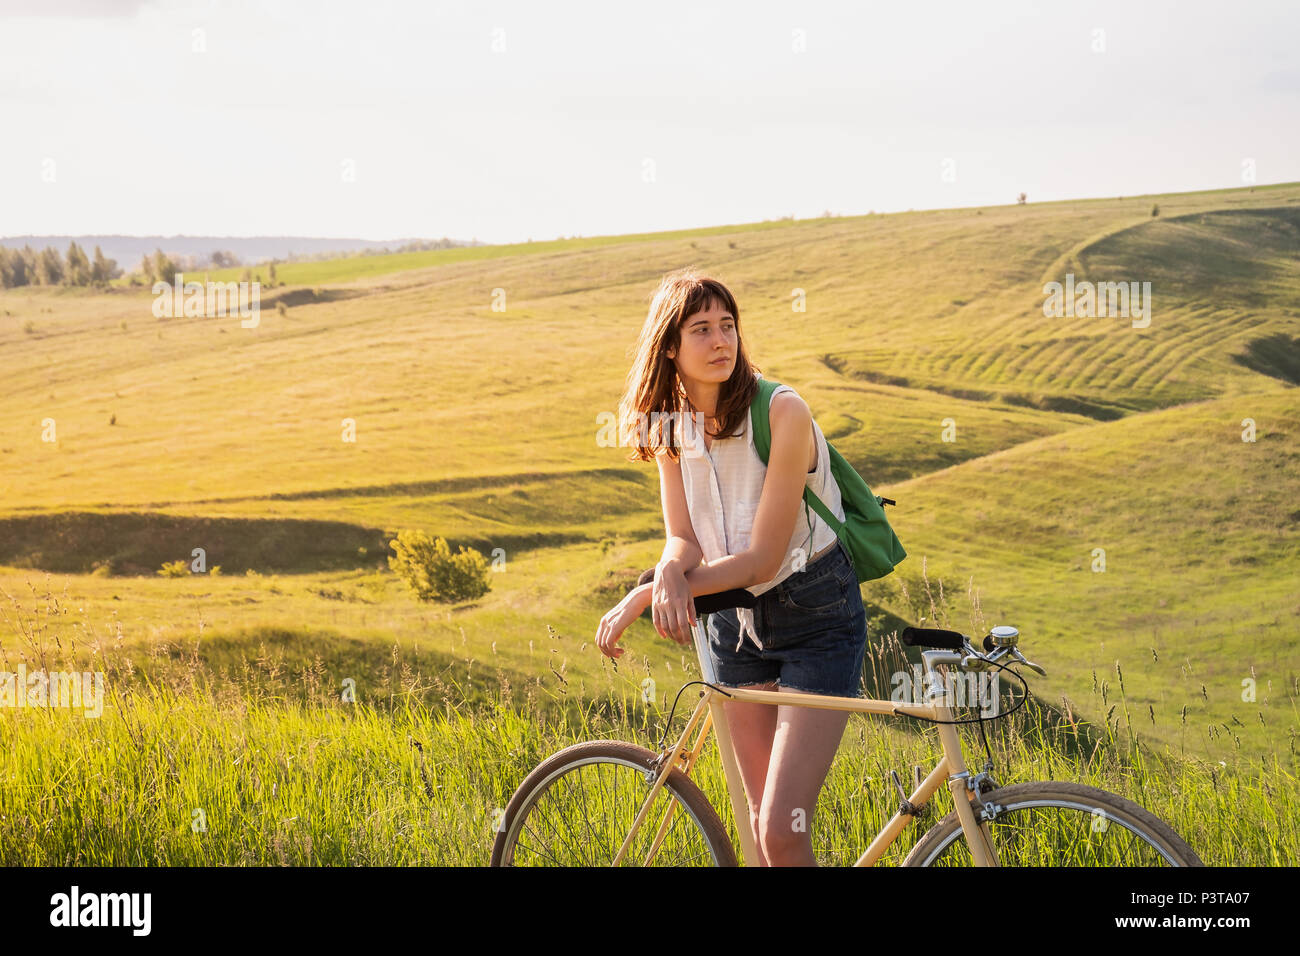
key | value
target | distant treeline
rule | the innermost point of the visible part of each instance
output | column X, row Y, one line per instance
column 417, row 245
column 26, row 266
column 221, row 259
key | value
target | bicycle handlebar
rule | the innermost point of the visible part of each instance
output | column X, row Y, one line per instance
column 724, row 601
column 932, row 637
column 956, row 641
column 709, row 603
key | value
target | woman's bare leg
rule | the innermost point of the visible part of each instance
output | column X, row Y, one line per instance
column 752, row 726
column 803, row 746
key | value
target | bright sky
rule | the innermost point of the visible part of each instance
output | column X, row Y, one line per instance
column 513, row 120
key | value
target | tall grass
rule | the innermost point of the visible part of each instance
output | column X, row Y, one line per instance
column 257, row 766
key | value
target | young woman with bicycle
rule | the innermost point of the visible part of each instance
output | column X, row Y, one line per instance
column 733, row 522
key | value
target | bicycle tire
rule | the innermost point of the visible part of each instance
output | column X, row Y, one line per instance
column 636, row 761
column 1019, row 799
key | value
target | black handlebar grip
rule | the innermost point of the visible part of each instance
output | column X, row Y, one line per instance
column 710, row 603
column 723, row 600
column 932, row 637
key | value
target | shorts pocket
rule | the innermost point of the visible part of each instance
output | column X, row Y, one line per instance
column 820, row 593
column 720, row 628
column 848, row 575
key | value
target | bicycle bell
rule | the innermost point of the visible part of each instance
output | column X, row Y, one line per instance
column 1004, row 635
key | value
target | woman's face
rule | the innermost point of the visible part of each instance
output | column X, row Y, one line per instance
column 708, row 346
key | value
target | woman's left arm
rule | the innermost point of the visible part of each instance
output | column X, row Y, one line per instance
column 778, row 506
column 783, row 486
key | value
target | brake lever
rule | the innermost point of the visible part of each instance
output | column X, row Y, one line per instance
column 1030, row 664
column 974, row 661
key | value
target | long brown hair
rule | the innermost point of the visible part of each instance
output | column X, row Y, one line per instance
column 654, row 397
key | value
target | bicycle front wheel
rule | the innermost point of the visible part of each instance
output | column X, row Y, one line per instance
column 577, row 807
column 1051, row 823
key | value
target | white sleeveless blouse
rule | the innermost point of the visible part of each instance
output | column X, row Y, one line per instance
column 723, row 485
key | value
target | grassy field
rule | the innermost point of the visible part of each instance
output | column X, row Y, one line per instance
column 211, row 754
column 1071, row 441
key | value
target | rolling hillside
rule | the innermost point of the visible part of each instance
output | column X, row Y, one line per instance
column 1071, row 434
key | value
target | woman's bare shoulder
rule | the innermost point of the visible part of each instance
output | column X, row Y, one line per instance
column 788, row 404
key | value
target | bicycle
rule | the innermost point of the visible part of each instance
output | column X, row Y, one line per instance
column 589, row 803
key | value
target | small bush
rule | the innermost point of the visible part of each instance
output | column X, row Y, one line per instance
column 174, row 569
column 1155, row 209
column 433, row 572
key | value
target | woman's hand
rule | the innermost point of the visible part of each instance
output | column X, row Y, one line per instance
column 673, row 606
column 617, row 619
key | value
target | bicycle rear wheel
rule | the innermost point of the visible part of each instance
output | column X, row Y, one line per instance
column 1052, row 823
column 577, row 807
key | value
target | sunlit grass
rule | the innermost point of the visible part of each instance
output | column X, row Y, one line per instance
column 259, row 763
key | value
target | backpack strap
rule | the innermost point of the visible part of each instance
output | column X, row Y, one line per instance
column 758, row 414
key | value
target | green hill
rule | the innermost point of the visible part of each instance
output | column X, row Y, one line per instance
column 1071, row 434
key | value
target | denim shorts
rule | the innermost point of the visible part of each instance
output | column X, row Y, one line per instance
column 813, row 628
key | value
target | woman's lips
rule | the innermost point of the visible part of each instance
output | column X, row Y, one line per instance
column 720, row 361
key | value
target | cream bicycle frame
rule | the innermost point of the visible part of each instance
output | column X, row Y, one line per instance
column 710, row 713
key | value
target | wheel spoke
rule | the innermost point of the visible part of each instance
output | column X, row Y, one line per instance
column 561, row 831
column 582, row 814
column 1056, row 836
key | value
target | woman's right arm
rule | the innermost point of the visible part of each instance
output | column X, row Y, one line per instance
column 672, row 605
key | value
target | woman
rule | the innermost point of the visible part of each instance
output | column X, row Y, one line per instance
column 734, row 523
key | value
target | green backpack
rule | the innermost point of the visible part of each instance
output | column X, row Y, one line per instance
column 865, row 532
